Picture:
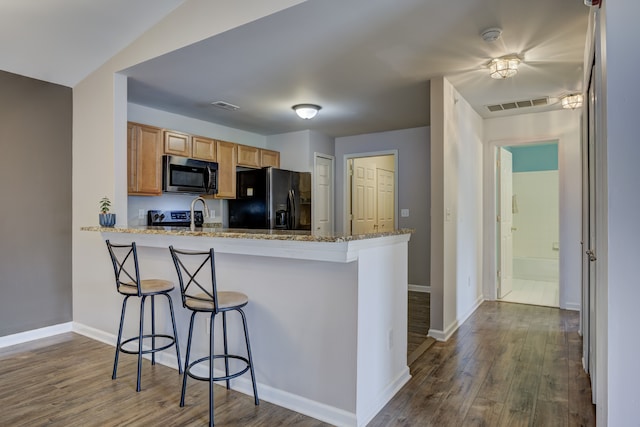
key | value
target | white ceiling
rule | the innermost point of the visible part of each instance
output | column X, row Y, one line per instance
column 366, row 62
column 63, row 41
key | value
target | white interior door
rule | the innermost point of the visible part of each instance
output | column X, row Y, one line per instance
column 363, row 196
column 323, row 196
column 506, row 222
column 386, row 200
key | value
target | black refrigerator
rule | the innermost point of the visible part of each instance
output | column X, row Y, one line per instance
column 271, row 198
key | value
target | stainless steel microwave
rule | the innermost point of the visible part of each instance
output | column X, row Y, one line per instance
column 184, row 175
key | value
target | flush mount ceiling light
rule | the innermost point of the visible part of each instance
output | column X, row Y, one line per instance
column 572, row 101
column 306, row 111
column 503, row 68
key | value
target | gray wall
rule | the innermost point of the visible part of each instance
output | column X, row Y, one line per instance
column 35, row 212
column 414, row 192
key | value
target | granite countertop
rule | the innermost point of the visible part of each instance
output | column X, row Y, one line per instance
column 240, row 233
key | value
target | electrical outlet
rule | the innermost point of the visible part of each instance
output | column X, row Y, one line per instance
column 404, row 213
column 140, row 213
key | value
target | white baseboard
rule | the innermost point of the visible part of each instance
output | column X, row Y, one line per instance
column 420, row 288
column 321, row 411
column 365, row 416
column 166, row 358
column 444, row 335
column 572, row 306
column 35, row 334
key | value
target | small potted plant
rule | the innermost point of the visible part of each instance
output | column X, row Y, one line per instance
column 106, row 219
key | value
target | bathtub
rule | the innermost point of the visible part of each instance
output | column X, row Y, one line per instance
column 542, row 269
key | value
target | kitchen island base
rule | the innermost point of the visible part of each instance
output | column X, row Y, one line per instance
column 328, row 320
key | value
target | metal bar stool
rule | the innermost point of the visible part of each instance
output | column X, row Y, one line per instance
column 125, row 266
column 197, row 277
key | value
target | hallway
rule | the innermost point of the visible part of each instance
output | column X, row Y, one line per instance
column 507, row 365
column 535, row 292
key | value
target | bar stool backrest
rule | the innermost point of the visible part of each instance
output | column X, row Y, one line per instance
column 197, row 277
column 125, row 266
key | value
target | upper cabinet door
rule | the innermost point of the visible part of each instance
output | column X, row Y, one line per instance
column 203, row 148
column 248, row 156
column 226, row 155
column 176, row 143
column 144, row 160
column 269, row 158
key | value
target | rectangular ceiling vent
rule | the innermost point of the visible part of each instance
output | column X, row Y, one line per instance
column 518, row 104
column 225, row 105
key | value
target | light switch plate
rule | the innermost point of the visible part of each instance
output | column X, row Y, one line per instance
column 404, row 213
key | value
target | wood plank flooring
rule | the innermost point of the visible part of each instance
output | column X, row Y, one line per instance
column 66, row 381
column 509, row 364
column 419, row 304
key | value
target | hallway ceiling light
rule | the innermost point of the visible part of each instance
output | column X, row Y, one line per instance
column 306, row 111
column 572, row 101
column 503, row 68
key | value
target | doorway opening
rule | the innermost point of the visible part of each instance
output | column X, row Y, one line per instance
column 528, row 224
column 370, row 192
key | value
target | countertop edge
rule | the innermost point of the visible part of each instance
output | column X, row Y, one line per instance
column 246, row 234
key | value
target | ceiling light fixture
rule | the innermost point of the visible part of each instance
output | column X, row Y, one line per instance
column 503, row 68
column 306, row 111
column 572, row 101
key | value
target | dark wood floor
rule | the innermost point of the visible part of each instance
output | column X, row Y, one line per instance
column 418, row 325
column 509, row 364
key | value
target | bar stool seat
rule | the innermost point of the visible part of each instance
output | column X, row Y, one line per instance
column 124, row 258
column 196, row 274
column 148, row 287
column 226, row 300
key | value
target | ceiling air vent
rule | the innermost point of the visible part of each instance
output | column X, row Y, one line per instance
column 225, row 105
column 518, row 104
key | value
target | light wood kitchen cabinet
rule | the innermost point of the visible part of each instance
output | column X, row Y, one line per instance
column 269, row 158
column 178, row 144
column 203, row 148
column 248, row 156
column 144, row 160
column 227, row 159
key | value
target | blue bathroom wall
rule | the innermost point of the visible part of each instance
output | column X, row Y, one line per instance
column 533, row 158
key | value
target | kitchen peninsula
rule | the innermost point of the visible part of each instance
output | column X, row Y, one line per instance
column 327, row 314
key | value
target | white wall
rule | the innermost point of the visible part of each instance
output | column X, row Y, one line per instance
column 297, row 148
column 619, row 94
column 563, row 126
column 164, row 119
column 99, row 142
column 456, row 209
column 413, row 188
column 536, row 219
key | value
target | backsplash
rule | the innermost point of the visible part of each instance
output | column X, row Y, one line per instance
column 141, row 204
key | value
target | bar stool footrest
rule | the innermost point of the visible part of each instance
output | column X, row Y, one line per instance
column 217, row 356
column 171, row 342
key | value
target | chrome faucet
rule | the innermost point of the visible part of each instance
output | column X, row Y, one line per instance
column 206, row 211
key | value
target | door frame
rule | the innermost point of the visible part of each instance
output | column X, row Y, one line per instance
column 347, row 185
column 332, row 196
column 491, row 194
column 506, row 273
